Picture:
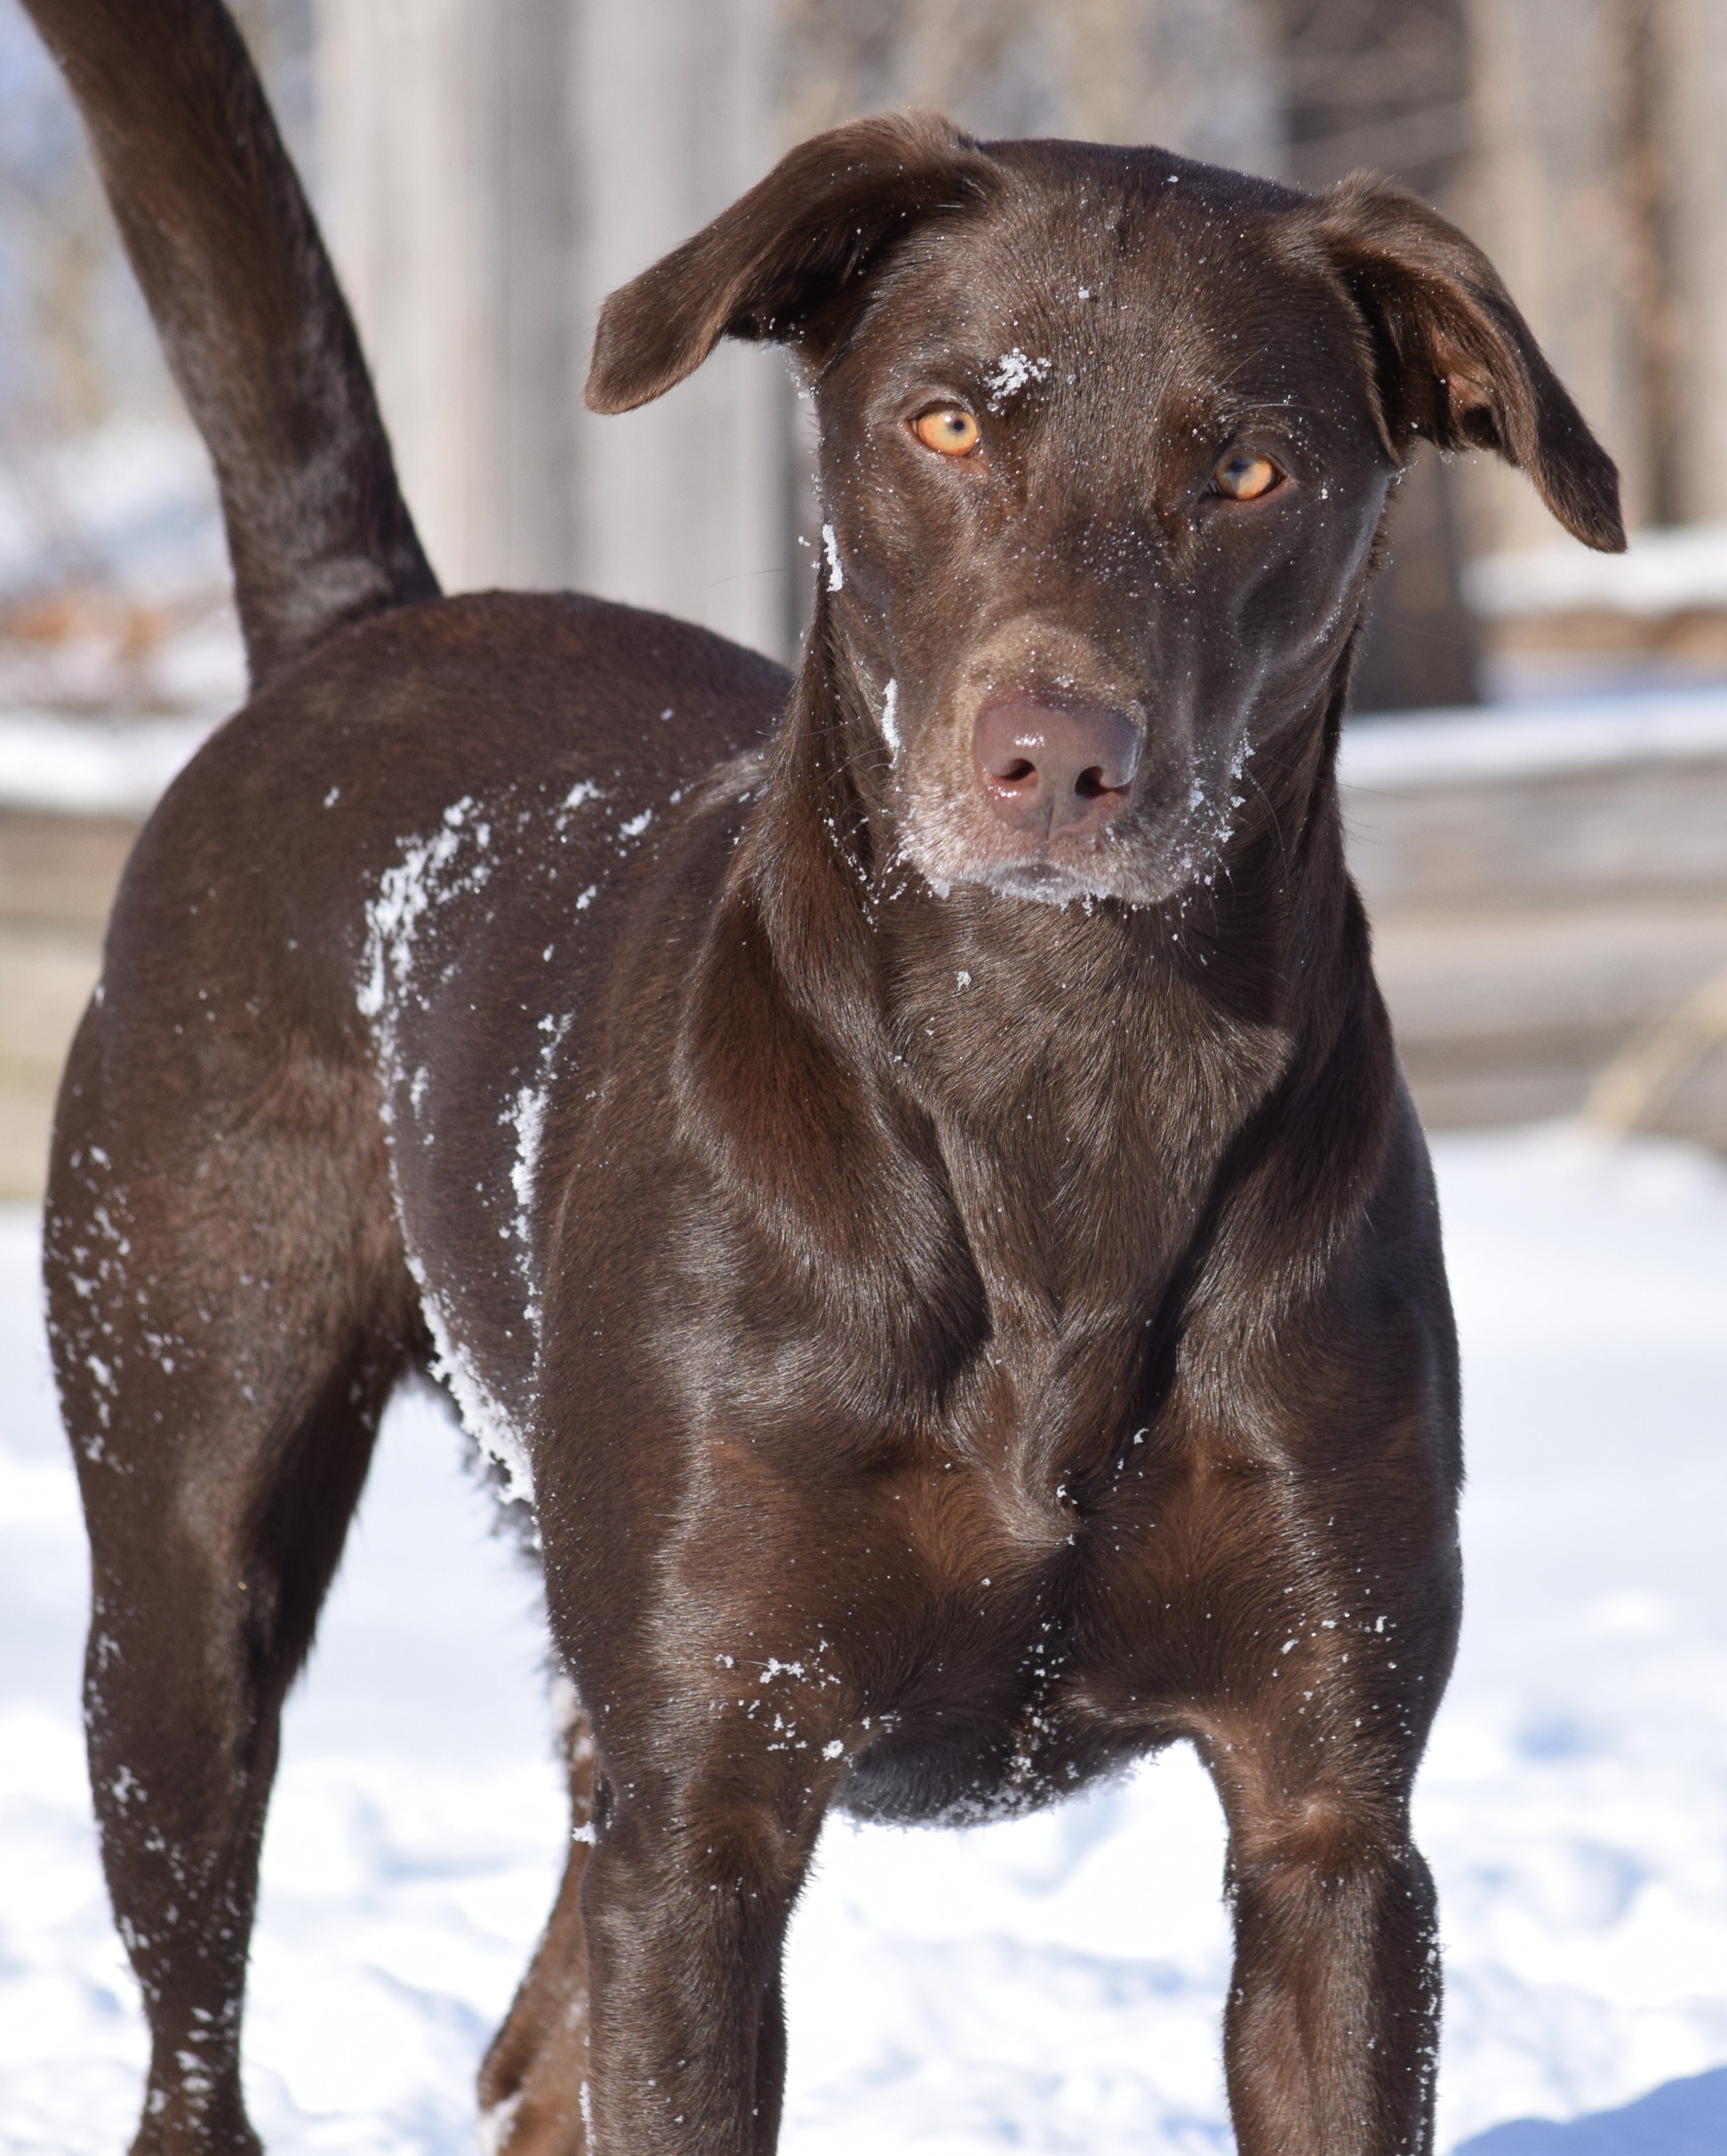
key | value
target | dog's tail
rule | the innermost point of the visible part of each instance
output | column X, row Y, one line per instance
column 253, row 323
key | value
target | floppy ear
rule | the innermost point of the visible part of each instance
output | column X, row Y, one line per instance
column 815, row 224
column 1457, row 362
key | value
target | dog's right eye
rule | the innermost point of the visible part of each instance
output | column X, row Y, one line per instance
column 950, row 432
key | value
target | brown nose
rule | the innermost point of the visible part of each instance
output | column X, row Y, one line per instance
column 1056, row 766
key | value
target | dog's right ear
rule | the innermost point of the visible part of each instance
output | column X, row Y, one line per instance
column 818, row 222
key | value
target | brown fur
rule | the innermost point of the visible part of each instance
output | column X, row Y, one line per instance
column 970, row 1304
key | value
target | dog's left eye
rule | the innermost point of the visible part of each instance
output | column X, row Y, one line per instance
column 950, row 431
column 1245, row 476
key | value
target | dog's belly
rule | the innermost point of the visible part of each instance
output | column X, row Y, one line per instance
column 1039, row 1756
column 947, row 1785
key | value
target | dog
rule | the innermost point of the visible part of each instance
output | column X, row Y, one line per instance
column 904, row 1168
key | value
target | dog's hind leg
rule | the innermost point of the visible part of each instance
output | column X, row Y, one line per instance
column 228, row 1310
column 531, row 2084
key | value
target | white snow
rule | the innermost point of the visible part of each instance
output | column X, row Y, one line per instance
column 1013, row 371
column 831, row 550
column 889, row 720
column 1049, row 1985
column 484, row 1416
column 1661, row 572
column 405, row 893
column 1561, row 733
column 133, row 503
column 114, row 578
column 526, row 1115
column 92, row 766
column 427, row 876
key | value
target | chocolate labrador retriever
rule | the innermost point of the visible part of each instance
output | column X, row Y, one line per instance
column 905, row 1167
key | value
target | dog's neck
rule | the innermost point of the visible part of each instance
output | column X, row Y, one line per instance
column 1023, row 1061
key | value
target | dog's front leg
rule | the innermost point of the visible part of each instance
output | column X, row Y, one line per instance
column 1310, row 1656
column 686, row 1901
column 1331, row 2032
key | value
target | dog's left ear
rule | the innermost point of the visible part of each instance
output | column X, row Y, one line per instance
column 1457, row 361
column 782, row 253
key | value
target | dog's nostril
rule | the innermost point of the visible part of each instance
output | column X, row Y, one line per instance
column 1017, row 773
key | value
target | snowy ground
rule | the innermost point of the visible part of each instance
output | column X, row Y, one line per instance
column 1051, row 1985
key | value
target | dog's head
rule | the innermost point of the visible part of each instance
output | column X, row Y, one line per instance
column 1105, row 439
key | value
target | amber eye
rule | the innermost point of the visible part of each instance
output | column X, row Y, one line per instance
column 1245, row 475
column 950, row 431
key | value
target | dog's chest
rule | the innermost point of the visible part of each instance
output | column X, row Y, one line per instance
column 1016, row 1631
column 1082, row 1096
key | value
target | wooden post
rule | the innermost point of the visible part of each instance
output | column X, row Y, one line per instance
column 1198, row 76
column 1695, row 127
column 489, row 170
column 1384, row 84
column 683, row 504
column 1552, row 201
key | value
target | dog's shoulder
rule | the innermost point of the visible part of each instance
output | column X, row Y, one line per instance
column 498, row 722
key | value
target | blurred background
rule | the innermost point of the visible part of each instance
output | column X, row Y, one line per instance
column 1537, row 777
column 1536, row 790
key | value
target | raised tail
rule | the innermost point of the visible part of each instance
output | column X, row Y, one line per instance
column 253, row 321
